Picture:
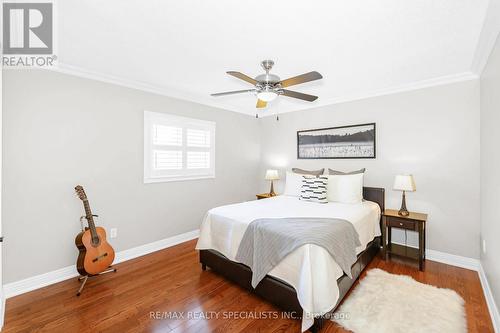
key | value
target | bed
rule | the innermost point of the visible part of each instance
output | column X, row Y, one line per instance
column 307, row 282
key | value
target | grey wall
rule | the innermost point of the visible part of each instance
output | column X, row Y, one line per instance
column 431, row 133
column 490, row 167
column 61, row 130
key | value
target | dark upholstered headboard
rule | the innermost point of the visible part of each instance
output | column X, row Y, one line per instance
column 375, row 194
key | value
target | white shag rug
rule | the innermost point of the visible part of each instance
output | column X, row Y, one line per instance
column 389, row 303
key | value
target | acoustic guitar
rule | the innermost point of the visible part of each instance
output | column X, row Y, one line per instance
column 96, row 255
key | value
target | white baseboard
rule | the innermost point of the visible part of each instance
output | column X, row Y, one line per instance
column 43, row 280
column 453, row 260
column 155, row 246
column 449, row 259
column 2, row 307
column 39, row 281
column 492, row 306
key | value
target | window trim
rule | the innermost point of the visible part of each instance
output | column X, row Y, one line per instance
column 151, row 118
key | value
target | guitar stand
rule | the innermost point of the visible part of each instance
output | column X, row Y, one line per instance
column 84, row 278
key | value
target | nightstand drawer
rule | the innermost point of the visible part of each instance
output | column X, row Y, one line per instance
column 401, row 223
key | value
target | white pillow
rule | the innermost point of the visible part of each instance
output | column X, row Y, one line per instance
column 345, row 188
column 293, row 183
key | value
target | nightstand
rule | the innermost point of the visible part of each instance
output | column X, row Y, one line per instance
column 264, row 196
column 413, row 222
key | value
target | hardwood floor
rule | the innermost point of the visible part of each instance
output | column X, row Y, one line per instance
column 136, row 298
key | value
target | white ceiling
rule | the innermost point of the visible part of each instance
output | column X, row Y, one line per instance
column 183, row 48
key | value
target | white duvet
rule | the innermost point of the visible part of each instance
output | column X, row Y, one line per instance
column 310, row 269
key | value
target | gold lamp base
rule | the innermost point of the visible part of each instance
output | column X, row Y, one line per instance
column 403, row 211
column 271, row 192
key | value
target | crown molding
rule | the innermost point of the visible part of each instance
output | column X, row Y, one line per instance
column 487, row 37
column 439, row 81
column 167, row 91
column 196, row 98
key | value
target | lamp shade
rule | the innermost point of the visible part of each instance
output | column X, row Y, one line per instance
column 404, row 183
column 272, row 175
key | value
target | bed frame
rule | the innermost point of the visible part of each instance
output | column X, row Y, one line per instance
column 281, row 293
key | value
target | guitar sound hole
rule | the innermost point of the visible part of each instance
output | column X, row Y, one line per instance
column 96, row 241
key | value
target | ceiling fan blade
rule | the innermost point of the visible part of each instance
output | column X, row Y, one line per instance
column 261, row 104
column 295, row 94
column 232, row 92
column 243, row 77
column 307, row 77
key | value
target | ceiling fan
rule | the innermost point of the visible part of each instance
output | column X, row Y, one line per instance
column 269, row 86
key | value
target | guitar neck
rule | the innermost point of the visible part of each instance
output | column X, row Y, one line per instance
column 89, row 217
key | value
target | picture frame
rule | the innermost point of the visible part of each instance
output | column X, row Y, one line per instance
column 342, row 142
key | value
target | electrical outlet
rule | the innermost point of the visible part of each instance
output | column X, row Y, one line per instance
column 484, row 246
column 113, row 232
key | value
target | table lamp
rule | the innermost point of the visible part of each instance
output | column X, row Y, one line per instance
column 404, row 183
column 272, row 175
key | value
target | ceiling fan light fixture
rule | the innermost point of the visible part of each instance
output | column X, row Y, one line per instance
column 268, row 86
column 267, row 96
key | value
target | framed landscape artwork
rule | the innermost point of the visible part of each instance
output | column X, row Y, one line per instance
column 355, row 141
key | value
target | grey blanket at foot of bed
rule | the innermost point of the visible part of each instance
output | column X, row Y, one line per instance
column 267, row 241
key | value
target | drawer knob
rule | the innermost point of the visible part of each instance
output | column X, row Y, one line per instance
column 400, row 223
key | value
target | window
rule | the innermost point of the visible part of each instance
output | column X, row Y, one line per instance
column 177, row 148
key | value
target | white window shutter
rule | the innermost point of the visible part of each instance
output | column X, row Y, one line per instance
column 167, row 135
column 198, row 160
column 167, row 160
column 198, row 138
column 177, row 148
